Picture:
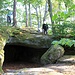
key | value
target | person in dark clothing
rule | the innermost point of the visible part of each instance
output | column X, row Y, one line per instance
column 45, row 28
column 8, row 19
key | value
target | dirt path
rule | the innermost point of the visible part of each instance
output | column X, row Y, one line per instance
column 64, row 68
column 35, row 69
column 19, row 65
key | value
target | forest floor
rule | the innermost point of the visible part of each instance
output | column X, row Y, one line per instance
column 60, row 68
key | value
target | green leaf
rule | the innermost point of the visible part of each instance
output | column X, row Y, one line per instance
column 73, row 41
column 54, row 17
column 72, row 7
column 69, row 43
column 65, row 41
column 55, row 42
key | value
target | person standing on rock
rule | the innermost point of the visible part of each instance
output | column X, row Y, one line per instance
column 45, row 28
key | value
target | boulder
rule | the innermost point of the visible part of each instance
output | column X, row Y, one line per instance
column 52, row 54
column 24, row 37
column 2, row 44
column 30, row 40
column 1, row 60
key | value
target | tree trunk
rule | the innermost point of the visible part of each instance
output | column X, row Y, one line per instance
column 14, row 13
column 30, row 22
column 40, row 16
column 46, row 9
column 59, row 14
column 37, row 18
column 26, row 15
column 50, row 12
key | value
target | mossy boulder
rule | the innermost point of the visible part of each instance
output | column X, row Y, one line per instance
column 52, row 54
column 25, row 37
column 29, row 38
column 2, row 44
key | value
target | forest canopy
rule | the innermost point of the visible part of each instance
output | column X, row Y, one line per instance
column 59, row 15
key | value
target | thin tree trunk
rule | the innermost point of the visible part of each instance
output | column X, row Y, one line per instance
column 26, row 15
column 50, row 12
column 38, row 21
column 59, row 10
column 14, row 13
column 37, row 18
column 30, row 21
column 46, row 9
column 40, row 16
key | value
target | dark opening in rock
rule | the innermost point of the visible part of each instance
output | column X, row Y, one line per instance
column 17, row 53
column 69, row 50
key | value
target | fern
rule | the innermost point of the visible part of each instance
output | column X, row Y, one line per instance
column 65, row 41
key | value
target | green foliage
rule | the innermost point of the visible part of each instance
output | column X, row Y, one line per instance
column 61, row 15
column 34, row 2
column 50, row 32
column 65, row 41
column 66, row 29
column 68, row 2
column 1, row 71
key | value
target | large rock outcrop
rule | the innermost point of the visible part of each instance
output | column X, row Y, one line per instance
column 35, row 40
column 52, row 54
column 2, row 44
column 25, row 37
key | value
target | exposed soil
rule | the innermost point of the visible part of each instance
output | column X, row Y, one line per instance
column 53, row 69
column 19, row 65
column 65, row 69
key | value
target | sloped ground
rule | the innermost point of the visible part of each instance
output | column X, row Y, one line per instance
column 65, row 66
column 65, row 69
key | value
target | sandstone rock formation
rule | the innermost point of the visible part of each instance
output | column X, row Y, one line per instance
column 52, row 54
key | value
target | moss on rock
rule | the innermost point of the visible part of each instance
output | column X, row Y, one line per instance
column 26, row 37
column 52, row 54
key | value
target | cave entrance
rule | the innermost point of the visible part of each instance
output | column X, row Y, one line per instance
column 17, row 53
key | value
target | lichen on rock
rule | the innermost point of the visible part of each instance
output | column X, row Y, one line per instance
column 24, row 37
column 52, row 54
column 2, row 44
